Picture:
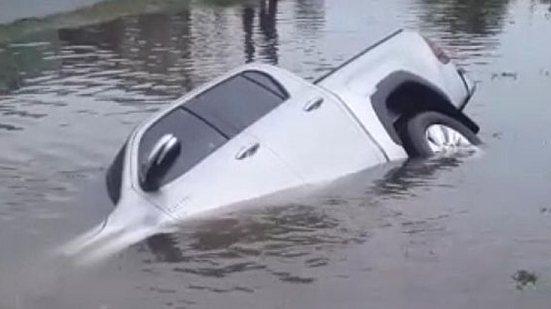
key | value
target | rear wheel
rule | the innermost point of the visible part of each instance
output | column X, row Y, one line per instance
column 430, row 133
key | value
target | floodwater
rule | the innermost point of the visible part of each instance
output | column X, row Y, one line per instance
column 464, row 232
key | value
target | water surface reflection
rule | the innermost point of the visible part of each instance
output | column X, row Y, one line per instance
column 422, row 235
column 467, row 28
column 294, row 241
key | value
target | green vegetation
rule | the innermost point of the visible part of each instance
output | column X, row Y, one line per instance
column 101, row 12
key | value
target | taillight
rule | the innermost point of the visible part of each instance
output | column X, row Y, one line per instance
column 438, row 52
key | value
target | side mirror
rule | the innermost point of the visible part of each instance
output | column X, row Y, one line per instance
column 160, row 160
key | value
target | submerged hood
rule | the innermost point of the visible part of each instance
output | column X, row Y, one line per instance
column 133, row 220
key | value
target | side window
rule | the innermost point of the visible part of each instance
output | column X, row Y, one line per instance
column 236, row 103
column 197, row 138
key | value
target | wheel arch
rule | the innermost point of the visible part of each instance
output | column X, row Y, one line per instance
column 402, row 94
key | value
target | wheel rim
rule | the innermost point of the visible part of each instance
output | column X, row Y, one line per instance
column 441, row 138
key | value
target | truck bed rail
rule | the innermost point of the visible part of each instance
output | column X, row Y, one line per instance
column 363, row 52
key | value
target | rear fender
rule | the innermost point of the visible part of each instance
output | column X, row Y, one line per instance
column 402, row 94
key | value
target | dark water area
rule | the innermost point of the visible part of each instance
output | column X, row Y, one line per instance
column 464, row 232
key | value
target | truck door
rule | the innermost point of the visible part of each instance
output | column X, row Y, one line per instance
column 317, row 136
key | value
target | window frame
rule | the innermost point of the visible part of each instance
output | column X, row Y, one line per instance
column 284, row 94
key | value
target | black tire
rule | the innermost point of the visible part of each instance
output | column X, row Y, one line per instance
column 413, row 132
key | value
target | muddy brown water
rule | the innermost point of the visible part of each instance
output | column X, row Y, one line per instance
column 464, row 232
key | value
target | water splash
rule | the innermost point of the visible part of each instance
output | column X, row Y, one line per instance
column 131, row 222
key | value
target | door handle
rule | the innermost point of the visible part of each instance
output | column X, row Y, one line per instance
column 248, row 151
column 313, row 104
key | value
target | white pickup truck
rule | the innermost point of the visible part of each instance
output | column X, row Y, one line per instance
column 260, row 129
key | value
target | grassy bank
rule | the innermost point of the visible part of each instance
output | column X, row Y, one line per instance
column 100, row 12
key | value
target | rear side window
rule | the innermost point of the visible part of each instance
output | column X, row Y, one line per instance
column 236, row 103
column 267, row 82
column 197, row 138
